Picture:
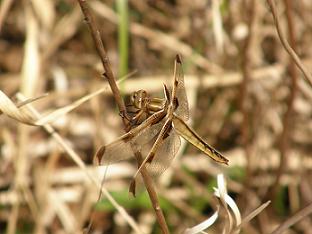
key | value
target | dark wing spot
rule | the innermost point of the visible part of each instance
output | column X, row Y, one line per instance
column 99, row 155
column 150, row 159
column 168, row 130
column 167, row 93
column 175, row 103
column 176, row 82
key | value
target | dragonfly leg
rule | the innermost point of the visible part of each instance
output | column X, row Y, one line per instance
column 124, row 115
column 137, row 116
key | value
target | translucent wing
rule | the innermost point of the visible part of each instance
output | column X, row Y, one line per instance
column 121, row 148
column 114, row 152
column 164, row 154
column 162, row 159
column 183, row 108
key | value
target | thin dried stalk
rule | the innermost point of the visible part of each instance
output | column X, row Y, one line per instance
column 294, row 219
column 287, row 122
column 108, row 74
column 29, row 81
column 252, row 215
column 122, row 110
column 64, row 110
column 288, row 48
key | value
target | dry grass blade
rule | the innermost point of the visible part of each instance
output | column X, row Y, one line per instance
column 294, row 219
column 30, row 100
column 31, row 61
column 217, row 25
column 203, row 225
column 252, row 215
column 233, row 214
column 64, row 110
column 226, row 201
column 8, row 108
column 154, row 83
column 44, row 9
column 70, row 22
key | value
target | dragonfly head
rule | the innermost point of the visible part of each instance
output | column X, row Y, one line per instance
column 139, row 98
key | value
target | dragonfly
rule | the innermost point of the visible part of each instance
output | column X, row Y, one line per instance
column 160, row 124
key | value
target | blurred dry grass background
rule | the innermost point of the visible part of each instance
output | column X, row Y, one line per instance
column 247, row 99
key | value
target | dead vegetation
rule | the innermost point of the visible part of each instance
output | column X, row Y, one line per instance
column 248, row 80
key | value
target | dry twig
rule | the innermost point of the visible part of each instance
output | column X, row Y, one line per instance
column 294, row 219
column 287, row 47
column 287, row 123
column 123, row 112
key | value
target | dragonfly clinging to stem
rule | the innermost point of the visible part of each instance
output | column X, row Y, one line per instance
column 158, row 136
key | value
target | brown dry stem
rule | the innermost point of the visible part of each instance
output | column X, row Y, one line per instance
column 122, row 109
column 287, row 128
column 289, row 48
column 294, row 219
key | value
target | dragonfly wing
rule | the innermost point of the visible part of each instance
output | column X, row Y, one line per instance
column 162, row 159
column 114, row 152
column 122, row 148
column 164, row 154
column 149, row 134
column 182, row 104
